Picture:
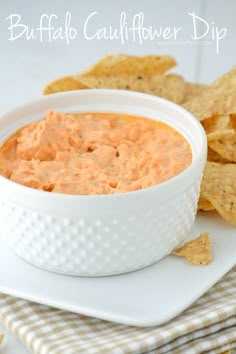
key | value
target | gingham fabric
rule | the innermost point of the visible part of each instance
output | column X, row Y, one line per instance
column 208, row 326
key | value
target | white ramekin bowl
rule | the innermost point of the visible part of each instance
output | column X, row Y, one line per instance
column 102, row 234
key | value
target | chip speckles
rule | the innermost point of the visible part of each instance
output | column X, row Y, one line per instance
column 197, row 251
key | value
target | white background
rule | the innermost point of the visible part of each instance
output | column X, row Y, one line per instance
column 26, row 66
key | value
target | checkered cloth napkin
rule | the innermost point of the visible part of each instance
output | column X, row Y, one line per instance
column 208, row 326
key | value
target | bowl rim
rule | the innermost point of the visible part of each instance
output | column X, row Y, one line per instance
column 167, row 185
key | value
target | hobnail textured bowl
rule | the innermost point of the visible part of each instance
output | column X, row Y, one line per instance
column 102, row 234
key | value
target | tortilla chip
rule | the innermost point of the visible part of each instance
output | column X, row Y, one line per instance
column 215, row 157
column 218, row 127
column 171, row 87
column 227, row 352
column 225, row 147
column 219, row 135
column 193, row 90
column 219, row 188
column 233, row 121
column 204, row 204
column 1, row 338
column 197, row 251
column 121, row 64
column 217, row 99
column 67, row 83
column 216, row 123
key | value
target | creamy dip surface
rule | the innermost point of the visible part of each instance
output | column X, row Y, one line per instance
column 94, row 153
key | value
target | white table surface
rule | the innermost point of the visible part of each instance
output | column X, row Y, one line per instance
column 27, row 65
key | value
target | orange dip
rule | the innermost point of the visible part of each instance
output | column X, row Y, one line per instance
column 94, row 153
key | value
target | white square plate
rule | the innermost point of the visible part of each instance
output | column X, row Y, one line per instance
column 147, row 297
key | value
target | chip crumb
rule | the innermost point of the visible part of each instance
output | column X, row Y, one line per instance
column 197, row 251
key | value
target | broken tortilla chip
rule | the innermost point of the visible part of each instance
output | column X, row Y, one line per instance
column 219, row 188
column 1, row 338
column 197, row 251
column 171, row 87
column 121, row 64
column 217, row 99
column 67, row 83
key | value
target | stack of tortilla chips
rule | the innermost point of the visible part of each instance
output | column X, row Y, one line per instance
column 216, row 110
